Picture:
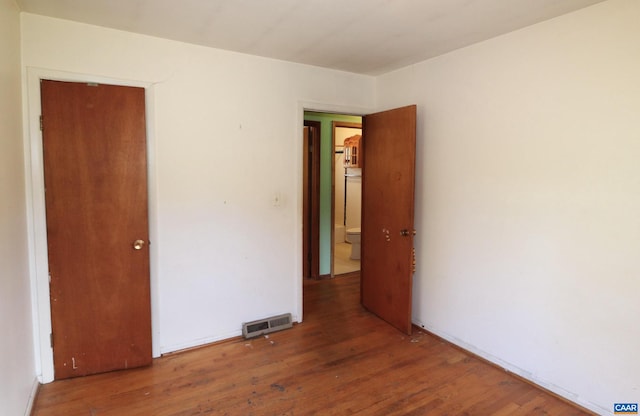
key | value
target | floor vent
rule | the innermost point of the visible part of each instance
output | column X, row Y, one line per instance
column 266, row 326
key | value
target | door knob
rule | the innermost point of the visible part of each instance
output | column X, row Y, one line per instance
column 406, row 233
column 138, row 244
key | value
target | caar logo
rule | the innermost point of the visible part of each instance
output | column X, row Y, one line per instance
column 625, row 408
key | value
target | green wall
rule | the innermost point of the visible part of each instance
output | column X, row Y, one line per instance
column 326, row 155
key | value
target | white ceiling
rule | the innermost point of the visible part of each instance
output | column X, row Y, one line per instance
column 362, row 36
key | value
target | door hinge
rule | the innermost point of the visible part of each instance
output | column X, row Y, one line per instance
column 51, row 339
column 41, row 124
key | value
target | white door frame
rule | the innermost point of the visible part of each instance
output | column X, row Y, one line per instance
column 36, row 214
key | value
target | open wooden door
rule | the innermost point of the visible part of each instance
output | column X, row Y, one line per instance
column 95, row 171
column 311, row 200
column 388, row 181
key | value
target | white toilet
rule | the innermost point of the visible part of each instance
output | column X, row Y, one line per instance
column 353, row 237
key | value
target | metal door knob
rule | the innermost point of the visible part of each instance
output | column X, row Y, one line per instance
column 138, row 244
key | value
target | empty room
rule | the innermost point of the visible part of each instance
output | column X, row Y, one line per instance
column 159, row 190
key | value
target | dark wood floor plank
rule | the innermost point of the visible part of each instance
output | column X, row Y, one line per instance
column 341, row 361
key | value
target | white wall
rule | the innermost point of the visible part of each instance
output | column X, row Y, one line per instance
column 226, row 161
column 17, row 373
column 528, row 200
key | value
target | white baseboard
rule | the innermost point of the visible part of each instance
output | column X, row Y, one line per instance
column 32, row 397
column 167, row 349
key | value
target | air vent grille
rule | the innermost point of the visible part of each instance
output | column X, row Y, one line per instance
column 266, row 326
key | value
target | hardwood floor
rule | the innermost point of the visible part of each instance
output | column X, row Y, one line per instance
column 340, row 361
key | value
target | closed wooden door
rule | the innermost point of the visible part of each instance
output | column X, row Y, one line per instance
column 388, row 180
column 95, row 171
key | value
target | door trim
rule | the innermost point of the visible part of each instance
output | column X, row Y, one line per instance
column 36, row 216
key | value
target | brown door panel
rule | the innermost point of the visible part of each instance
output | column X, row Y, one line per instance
column 388, row 182
column 95, row 166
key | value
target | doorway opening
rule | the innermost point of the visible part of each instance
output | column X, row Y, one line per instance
column 387, row 158
column 339, row 196
column 347, row 197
